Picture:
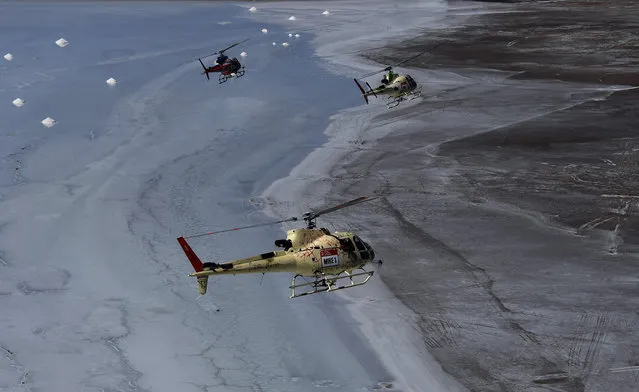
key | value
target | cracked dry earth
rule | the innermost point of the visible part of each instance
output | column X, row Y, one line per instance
column 508, row 210
column 106, row 340
column 113, row 344
column 101, row 331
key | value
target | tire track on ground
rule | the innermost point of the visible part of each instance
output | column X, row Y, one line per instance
column 590, row 337
column 480, row 274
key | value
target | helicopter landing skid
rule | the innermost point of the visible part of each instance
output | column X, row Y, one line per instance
column 414, row 95
column 327, row 283
column 408, row 97
column 223, row 78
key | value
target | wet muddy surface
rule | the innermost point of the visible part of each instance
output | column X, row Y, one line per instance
column 508, row 218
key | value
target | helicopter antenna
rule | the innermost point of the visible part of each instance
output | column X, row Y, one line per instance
column 390, row 67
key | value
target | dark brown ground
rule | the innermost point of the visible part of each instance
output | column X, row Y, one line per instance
column 505, row 241
column 575, row 41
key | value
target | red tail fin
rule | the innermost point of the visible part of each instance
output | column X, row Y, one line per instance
column 195, row 261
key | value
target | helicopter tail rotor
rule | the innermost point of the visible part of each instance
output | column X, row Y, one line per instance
column 362, row 90
column 206, row 71
column 365, row 94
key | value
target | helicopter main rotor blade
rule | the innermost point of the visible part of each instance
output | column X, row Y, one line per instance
column 242, row 228
column 375, row 73
column 404, row 61
column 224, row 50
column 234, row 45
column 419, row 54
column 362, row 199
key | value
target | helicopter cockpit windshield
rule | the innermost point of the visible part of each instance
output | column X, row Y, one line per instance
column 347, row 245
column 365, row 250
column 411, row 81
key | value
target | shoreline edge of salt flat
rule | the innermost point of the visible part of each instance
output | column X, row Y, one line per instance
column 381, row 318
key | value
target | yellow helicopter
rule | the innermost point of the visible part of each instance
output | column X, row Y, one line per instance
column 398, row 87
column 327, row 258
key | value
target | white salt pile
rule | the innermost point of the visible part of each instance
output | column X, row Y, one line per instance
column 252, row 9
column 264, row 31
column 62, row 42
column 326, row 13
column 297, row 35
column 48, row 122
column 111, row 81
column 292, row 18
column 284, row 43
column 19, row 102
column 8, row 57
column 243, row 54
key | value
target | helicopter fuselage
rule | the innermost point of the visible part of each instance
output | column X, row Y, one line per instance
column 307, row 252
column 396, row 87
column 228, row 67
column 319, row 250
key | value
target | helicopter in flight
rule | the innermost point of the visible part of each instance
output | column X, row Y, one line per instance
column 398, row 87
column 228, row 68
column 316, row 253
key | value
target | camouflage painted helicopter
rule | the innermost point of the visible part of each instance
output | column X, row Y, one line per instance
column 228, row 68
column 323, row 256
column 398, row 87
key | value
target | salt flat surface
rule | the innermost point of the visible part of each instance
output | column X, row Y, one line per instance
column 94, row 289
